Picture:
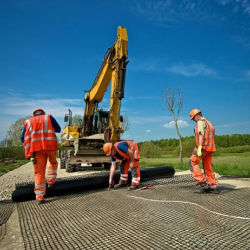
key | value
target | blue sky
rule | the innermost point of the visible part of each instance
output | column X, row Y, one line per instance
column 51, row 51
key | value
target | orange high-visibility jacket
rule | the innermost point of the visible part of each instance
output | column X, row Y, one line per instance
column 39, row 135
column 208, row 143
column 133, row 146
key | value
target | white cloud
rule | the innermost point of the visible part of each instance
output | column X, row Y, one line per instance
column 15, row 106
column 181, row 124
column 231, row 125
column 23, row 106
column 191, row 70
column 237, row 4
column 148, row 131
column 173, row 13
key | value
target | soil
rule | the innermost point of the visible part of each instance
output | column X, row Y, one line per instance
column 13, row 239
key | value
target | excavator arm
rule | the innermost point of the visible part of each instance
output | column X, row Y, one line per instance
column 112, row 69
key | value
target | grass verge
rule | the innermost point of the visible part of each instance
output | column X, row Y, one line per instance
column 234, row 164
column 226, row 164
column 4, row 168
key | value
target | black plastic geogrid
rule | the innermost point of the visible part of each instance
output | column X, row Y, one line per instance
column 25, row 191
column 6, row 209
column 171, row 214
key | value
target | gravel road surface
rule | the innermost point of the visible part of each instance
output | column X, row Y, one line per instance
column 13, row 239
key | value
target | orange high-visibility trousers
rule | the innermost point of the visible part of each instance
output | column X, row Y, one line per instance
column 40, row 168
column 135, row 172
column 208, row 175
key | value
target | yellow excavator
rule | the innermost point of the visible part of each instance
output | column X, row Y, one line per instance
column 84, row 141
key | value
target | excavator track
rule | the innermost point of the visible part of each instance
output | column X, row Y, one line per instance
column 62, row 159
column 69, row 167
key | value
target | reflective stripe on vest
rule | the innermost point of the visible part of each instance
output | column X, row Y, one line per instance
column 208, row 143
column 42, row 139
column 45, row 130
column 132, row 146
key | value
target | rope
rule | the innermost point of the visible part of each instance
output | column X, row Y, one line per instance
column 191, row 203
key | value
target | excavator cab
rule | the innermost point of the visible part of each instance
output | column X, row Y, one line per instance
column 101, row 121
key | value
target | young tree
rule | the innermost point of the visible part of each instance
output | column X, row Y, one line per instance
column 77, row 120
column 14, row 132
column 4, row 143
column 125, row 123
column 173, row 101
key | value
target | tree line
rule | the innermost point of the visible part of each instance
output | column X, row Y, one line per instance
column 221, row 141
column 235, row 143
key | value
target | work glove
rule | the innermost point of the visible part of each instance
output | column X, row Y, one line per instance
column 199, row 151
column 32, row 159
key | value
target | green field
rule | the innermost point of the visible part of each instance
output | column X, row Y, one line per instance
column 234, row 164
column 4, row 168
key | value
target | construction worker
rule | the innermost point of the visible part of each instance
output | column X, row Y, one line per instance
column 127, row 152
column 205, row 147
column 40, row 142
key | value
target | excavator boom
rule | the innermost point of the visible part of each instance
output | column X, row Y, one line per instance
column 98, row 126
column 113, row 69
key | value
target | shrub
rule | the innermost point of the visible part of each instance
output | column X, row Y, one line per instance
column 12, row 152
column 187, row 146
column 218, row 152
column 236, row 149
column 150, row 150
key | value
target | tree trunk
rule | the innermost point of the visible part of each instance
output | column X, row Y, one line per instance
column 180, row 139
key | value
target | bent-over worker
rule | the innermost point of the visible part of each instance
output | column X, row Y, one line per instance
column 127, row 152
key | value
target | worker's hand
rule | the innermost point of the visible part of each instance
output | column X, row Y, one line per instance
column 131, row 164
column 199, row 151
column 32, row 159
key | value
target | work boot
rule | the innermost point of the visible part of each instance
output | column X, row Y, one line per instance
column 39, row 202
column 201, row 184
column 120, row 185
column 133, row 187
column 111, row 184
column 211, row 190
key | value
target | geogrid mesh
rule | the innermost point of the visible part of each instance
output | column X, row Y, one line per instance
column 170, row 215
column 25, row 191
column 6, row 209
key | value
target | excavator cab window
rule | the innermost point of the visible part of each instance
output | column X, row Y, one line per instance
column 66, row 118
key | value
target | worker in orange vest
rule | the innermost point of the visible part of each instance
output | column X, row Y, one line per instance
column 205, row 147
column 127, row 152
column 40, row 142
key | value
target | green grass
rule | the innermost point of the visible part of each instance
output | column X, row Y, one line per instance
column 12, row 166
column 235, row 164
